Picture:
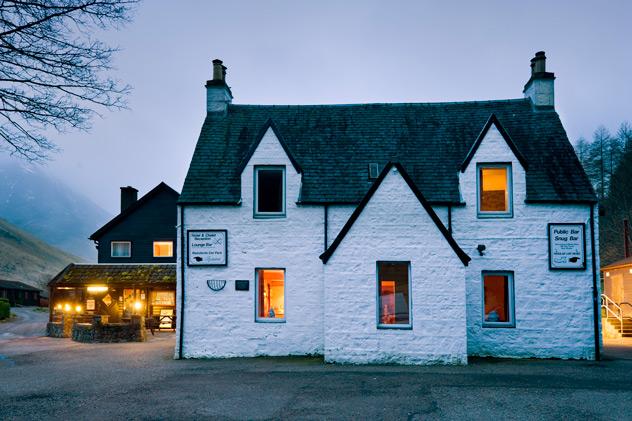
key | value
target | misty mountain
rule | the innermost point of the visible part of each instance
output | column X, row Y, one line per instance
column 25, row 258
column 48, row 209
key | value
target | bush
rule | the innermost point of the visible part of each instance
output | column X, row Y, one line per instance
column 5, row 308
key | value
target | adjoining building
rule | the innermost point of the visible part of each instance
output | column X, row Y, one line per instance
column 616, row 300
column 388, row 233
column 19, row 293
column 136, row 271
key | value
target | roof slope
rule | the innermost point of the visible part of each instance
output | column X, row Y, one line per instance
column 162, row 187
column 358, row 210
column 334, row 144
column 131, row 274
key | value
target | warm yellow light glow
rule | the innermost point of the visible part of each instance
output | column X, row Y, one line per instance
column 67, row 307
column 138, row 305
column 78, row 309
column 97, row 288
column 163, row 248
column 494, row 192
column 59, row 306
column 607, row 273
column 630, row 270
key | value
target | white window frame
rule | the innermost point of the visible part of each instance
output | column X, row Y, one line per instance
column 511, row 323
column 120, row 242
column 153, row 250
column 270, row 319
column 268, row 215
column 407, row 326
column 488, row 214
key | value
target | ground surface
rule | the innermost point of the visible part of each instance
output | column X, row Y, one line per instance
column 27, row 323
column 43, row 378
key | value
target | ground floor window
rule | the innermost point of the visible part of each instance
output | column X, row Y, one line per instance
column 498, row 299
column 270, row 292
column 393, row 294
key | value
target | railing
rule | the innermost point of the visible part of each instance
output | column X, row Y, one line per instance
column 607, row 303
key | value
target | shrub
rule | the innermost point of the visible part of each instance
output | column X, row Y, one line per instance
column 5, row 308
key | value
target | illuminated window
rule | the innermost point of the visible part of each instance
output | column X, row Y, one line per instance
column 163, row 248
column 269, row 192
column 393, row 294
column 498, row 308
column 270, row 295
column 121, row 249
column 494, row 190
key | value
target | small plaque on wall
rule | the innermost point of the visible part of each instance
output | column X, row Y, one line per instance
column 242, row 285
column 207, row 248
column 567, row 246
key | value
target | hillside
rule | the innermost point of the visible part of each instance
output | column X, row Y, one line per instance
column 36, row 203
column 25, row 258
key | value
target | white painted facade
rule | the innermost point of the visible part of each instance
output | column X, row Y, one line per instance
column 331, row 308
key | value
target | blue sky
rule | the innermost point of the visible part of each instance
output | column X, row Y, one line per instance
column 299, row 52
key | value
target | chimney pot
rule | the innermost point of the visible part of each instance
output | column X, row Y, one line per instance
column 540, row 87
column 219, row 70
column 218, row 94
column 129, row 196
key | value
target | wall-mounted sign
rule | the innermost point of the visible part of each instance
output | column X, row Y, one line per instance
column 567, row 246
column 207, row 247
column 90, row 304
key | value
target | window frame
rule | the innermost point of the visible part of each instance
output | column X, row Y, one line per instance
column 256, row 288
column 398, row 326
column 269, row 215
column 153, row 251
column 493, row 214
column 119, row 242
column 511, row 297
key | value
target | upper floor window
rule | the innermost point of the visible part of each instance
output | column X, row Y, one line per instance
column 494, row 190
column 393, row 294
column 121, row 249
column 498, row 299
column 269, row 192
column 163, row 248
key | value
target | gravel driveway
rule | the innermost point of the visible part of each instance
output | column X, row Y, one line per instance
column 28, row 323
column 62, row 379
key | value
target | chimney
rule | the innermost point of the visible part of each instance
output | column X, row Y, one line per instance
column 218, row 94
column 540, row 87
column 129, row 195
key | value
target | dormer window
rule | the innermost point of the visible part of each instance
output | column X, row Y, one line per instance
column 494, row 191
column 269, row 192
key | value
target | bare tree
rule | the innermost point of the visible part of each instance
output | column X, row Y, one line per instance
column 51, row 69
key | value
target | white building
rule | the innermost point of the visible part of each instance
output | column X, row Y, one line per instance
column 370, row 233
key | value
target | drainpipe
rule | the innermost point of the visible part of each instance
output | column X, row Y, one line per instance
column 181, row 341
column 325, row 225
column 450, row 219
column 594, row 274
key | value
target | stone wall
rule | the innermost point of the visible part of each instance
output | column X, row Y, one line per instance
column 110, row 332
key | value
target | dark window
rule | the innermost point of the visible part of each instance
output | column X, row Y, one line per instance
column 270, row 191
column 498, row 299
column 393, row 293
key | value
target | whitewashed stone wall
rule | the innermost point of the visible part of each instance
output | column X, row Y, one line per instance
column 553, row 309
column 394, row 226
column 222, row 324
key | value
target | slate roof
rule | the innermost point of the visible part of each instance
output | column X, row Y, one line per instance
column 465, row 259
column 333, row 145
column 4, row 284
column 130, row 274
column 131, row 209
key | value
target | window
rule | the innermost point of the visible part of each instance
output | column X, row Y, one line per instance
column 270, row 295
column 393, row 295
column 494, row 190
column 121, row 249
column 163, row 248
column 498, row 307
column 269, row 192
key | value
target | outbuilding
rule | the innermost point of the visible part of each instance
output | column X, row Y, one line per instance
column 19, row 293
column 387, row 233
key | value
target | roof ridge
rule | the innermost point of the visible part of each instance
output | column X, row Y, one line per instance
column 359, row 104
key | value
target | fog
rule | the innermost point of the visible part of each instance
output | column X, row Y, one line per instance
column 287, row 52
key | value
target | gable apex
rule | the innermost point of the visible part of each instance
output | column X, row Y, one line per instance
column 420, row 197
column 269, row 125
column 493, row 120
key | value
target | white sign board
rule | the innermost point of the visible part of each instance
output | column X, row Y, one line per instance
column 207, row 247
column 567, row 246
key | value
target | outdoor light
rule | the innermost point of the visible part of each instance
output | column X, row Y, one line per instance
column 67, row 307
column 59, row 306
column 78, row 309
column 97, row 288
column 607, row 273
column 138, row 305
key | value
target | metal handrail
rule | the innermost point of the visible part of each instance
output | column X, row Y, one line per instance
column 605, row 303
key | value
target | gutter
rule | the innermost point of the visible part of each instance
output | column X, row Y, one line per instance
column 594, row 289
column 181, row 339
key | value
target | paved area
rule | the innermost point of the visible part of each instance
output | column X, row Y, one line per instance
column 620, row 348
column 28, row 323
column 61, row 379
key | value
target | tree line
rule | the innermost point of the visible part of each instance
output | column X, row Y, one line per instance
column 607, row 160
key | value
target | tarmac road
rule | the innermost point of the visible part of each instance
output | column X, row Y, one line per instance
column 28, row 323
column 62, row 379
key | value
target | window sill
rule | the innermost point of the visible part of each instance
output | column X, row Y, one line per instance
column 269, row 216
column 395, row 326
column 269, row 320
column 484, row 215
column 492, row 325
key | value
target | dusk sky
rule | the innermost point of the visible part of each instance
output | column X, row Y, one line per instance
column 324, row 52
